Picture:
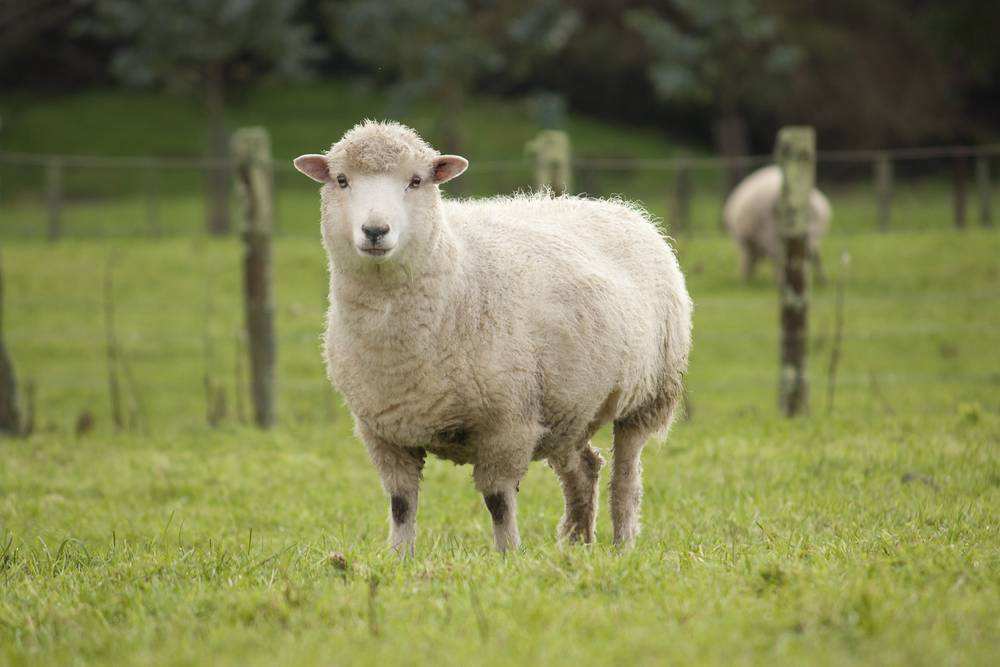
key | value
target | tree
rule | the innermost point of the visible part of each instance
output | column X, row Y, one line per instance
column 438, row 49
column 728, row 55
column 209, row 46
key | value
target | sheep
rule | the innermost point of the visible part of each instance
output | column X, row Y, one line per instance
column 494, row 332
column 750, row 216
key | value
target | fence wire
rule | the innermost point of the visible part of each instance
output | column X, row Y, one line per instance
column 54, row 196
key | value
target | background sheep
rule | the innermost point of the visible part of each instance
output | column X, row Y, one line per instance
column 494, row 332
column 750, row 215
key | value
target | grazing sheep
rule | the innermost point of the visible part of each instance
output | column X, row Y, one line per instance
column 494, row 332
column 751, row 217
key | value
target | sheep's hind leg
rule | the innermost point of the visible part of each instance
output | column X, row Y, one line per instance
column 626, row 482
column 500, row 464
column 748, row 261
column 579, row 472
column 400, row 470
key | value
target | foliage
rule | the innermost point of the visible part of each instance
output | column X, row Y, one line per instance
column 722, row 53
column 438, row 49
column 177, row 42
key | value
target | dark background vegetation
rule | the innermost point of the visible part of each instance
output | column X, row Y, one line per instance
column 890, row 73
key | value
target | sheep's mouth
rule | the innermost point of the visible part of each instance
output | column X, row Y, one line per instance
column 374, row 251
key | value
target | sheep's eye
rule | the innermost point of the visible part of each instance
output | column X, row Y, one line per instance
column 342, row 180
column 415, row 182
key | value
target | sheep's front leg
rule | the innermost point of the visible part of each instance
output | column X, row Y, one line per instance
column 748, row 261
column 400, row 470
column 817, row 266
column 501, row 462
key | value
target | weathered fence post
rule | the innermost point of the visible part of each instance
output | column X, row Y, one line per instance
column 985, row 188
column 251, row 147
column 551, row 149
column 681, row 204
column 883, row 190
column 960, row 176
column 10, row 413
column 152, row 200
column 796, row 155
column 54, row 196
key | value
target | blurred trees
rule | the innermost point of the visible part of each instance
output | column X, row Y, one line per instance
column 896, row 72
column 210, row 47
column 726, row 55
column 439, row 50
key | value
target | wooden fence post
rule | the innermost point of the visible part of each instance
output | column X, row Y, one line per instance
column 681, row 204
column 796, row 155
column 883, row 189
column 251, row 147
column 54, row 196
column 985, row 188
column 10, row 413
column 551, row 149
column 152, row 200
column 959, row 176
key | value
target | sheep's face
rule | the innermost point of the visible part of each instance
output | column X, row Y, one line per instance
column 376, row 215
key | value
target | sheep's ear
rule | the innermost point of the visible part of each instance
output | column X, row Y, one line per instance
column 314, row 166
column 447, row 167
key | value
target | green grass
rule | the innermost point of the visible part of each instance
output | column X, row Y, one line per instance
column 865, row 535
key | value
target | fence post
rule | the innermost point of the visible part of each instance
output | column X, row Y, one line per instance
column 796, row 155
column 551, row 149
column 959, row 176
column 985, row 189
column 883, row 189
column 251, row 148
column 10, row 413
column 152, row 201
column 54, row 196
column 681, row 204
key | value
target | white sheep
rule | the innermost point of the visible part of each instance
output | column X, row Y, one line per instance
column 750, row 216
column 494, row 332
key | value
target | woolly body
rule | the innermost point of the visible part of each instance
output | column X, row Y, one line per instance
column 567, row 313
column 510, row 330
column 750, row 216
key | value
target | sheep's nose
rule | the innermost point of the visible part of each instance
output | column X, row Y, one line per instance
column 375, row 232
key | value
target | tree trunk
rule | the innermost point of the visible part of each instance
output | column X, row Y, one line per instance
column 959, row 178
column 10, row 413
column 450, row 128
column 732, row 143
column 217, row 175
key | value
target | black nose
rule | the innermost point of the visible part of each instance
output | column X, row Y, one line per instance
column 375, row 232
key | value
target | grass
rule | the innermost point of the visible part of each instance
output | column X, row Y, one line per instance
column 865, row 535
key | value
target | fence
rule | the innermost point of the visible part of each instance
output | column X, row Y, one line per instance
column 177, row 322
column 901, row 189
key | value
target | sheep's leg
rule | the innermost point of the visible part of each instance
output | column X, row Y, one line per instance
column 501, row 461
column 626, row 483
column 817, row 266
column 748, row 261
column 579, row 472
column 400, row 470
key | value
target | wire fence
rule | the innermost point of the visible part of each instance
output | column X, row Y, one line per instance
column 45, row 195
column 178, row 317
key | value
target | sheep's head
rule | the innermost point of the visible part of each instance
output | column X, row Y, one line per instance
column 380, row 189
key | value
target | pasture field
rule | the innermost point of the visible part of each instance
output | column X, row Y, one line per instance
column 865, row 534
